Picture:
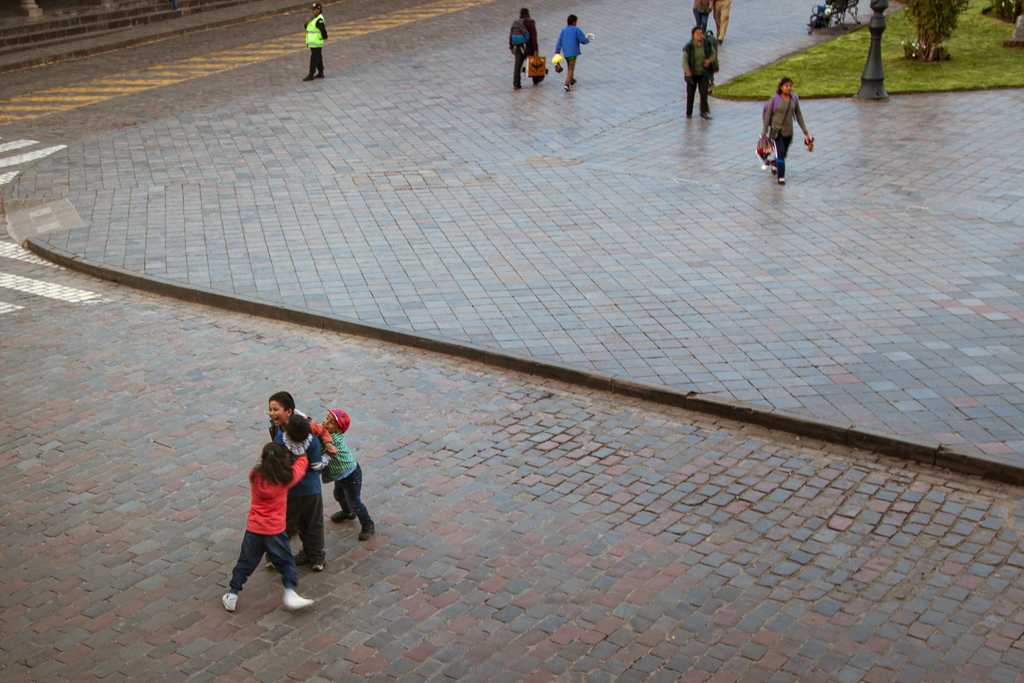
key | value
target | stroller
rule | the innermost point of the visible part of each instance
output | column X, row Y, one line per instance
column 833, row 14
column 821, row 17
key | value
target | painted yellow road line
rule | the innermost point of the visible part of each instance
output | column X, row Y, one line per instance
column 37, row 107
column 231, row 59
column 51, row 98
column 138, row 81
column 119, row 90
column 191, row 68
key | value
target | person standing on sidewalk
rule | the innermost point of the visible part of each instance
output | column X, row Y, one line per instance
column 777, row 123
column 701, row 11
column 721, row 9
column 521, row 36
column 700, row 61
column 316, row 34
column 569, row 41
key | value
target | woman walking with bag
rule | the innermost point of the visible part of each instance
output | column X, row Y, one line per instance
column 777, row 124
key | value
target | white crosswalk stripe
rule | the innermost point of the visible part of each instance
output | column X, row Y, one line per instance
column 16, row 144
column 50, row 290
column 13, row 251
column 8, row 160
column 15, row 286
column 26, row 157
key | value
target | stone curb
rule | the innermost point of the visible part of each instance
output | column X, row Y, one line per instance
column 938, row 456
column 139, row 40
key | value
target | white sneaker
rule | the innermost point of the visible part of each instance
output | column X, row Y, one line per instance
column 293, row 600
column 782, row 181
column 230, row 601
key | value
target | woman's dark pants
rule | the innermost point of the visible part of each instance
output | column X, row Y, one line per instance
column 782, row 147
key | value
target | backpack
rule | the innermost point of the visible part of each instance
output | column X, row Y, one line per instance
column 518, row 35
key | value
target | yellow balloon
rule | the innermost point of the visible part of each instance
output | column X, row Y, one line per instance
column 557, row 59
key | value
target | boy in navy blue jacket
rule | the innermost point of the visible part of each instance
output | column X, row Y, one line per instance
column 305, row 501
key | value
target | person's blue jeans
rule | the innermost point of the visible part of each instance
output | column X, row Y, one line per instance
column 348, row 492
column 701, row 19
column 253, row 548
column 782, row 148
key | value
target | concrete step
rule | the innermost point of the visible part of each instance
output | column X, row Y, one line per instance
column 90, row 21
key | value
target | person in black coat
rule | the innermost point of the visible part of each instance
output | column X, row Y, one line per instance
column 522, row 51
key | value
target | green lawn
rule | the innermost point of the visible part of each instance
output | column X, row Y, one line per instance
column 833, row 68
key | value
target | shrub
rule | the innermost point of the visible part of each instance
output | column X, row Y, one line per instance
column 935, row 21
column 1007, row 9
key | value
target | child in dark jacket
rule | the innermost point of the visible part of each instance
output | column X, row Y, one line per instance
column 269, row 483
column 305, row 513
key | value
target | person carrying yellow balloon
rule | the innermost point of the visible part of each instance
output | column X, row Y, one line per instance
column 567, row 49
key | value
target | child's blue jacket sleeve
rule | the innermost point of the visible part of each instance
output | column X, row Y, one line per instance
column 581, row 36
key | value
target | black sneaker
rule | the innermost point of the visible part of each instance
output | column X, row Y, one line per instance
column 366, row 532
column 319, row 566
column 308, row 78
column 318, row 76
column 706, row 116
column 301, row 559
column 342, row 516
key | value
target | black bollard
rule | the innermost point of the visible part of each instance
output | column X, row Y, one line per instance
column 872, row 81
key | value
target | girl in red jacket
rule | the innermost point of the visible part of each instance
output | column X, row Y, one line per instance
column 264, row 533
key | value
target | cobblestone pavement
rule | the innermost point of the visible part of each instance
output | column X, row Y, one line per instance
column 413, row 188
column 527, row 530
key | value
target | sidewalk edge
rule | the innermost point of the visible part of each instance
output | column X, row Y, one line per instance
column 939, row 456
column 156, row 37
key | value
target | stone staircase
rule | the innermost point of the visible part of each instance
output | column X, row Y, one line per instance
column 91, row 18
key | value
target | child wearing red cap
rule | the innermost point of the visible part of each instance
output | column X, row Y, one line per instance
column 346, row 474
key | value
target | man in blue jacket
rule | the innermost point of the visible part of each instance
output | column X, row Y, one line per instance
column 569, row 41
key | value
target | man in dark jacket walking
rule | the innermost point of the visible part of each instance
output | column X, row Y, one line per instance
column 522, row 41
column 700, row 62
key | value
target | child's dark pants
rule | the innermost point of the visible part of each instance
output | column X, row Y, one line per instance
column 253, row 547
column 306, row 515
column 347, row 492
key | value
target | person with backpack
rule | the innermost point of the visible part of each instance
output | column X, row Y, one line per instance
column 777, row 125
column 522, row 41
column 700, row 62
